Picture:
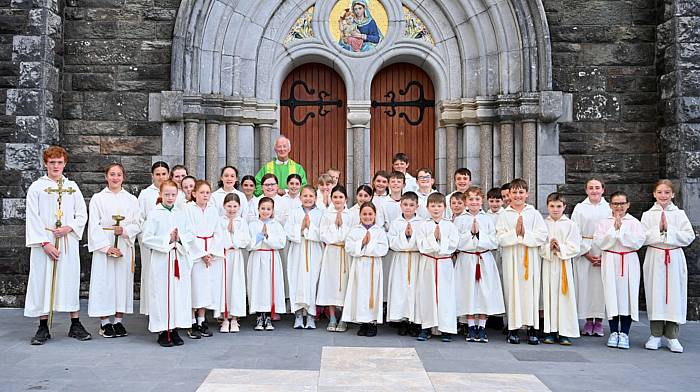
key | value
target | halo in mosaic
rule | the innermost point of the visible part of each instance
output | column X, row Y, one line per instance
column 415, row 28
column 302, row 27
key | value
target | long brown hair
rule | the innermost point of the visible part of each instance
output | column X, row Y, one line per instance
column 198, row 184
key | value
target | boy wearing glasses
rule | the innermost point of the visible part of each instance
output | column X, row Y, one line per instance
column 425, row 189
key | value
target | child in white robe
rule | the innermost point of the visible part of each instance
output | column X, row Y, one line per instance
column 668, row 231
column 380, row 187
column 495, row 207
column 520, row 232
column 619, row 237
column 363, row 194
column 437, row 240
column 335, row 264
column 167, row 234
column 462, row 181
column 391, row 205
column 304, row 257
column 112, row 270
column 403, row 275
column 265, row 275
column 291, row 198
column 160, row 171
column 237, row 238
column 187, row 185
column 400, row 163
column 366, row 243
column 227, row 184
column 478, row 285
column 558, row 286
column 426, row 181
column 207, row 255
column 325, row 184
column 590, row 301
column 54, row 247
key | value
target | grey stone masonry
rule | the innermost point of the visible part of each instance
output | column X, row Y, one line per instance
column 30, row 58
column 678, row 56
column 603, row 53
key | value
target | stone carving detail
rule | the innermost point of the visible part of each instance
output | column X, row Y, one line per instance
column 302, row 28
column 415, row 28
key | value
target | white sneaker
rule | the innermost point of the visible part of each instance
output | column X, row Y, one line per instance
column 623, row 341
column 342, row 327
column 310, row 323
column 225, row 325
column 332, row 326
column 299, row 322
column 674, row 345
column 268, row 324
column 235, row 327
column 653, row 343
column 613, row 340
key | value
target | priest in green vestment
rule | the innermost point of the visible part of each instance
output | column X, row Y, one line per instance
column 282, row 166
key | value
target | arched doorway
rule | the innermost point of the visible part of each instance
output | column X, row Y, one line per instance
column 403, row 117
column 312, row 116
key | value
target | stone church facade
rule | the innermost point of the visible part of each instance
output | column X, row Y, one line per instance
column 553, row 91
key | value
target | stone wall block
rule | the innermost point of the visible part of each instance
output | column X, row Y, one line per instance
column 596, row 107
column 32, row 48
column 22, row 156
column 102, row 51
column 51, row 27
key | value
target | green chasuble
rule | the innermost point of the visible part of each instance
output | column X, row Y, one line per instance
column 281, row 171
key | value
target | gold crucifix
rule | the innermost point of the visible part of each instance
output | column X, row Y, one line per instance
column 60, row 190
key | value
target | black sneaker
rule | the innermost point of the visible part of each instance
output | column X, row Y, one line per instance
column 472, row 334
column 403, row 328
column 513, row 337
column 424, row 335
column 363, row 330
column 177, row 340
column 107, row 331
column 532, row 337
column 446, row 337
column 119, row 330
column 193, row 333
column 371, row 330
column 42, row 335
column 204, row 329
column 483, row 336
column 414, row 330
column 163, row 339
column 77, row 331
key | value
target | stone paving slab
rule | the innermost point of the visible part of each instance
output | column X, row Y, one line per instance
column 139, row 364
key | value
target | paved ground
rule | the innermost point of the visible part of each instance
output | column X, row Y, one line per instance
column 137, row 363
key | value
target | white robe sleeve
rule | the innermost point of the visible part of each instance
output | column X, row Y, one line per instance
column 631, row 234
column 330, row 233
column 97, row 238
column 605, row 236
column 577, row 218
column 154, row 237
column 397, row 237
column 313, row 232
column 537, row 234
column 293, row 227
column 680, row 233
column 35, row 230
column 487, row 234
column 505, row 233
column 276, row 237
column 80, row 215
column 132, row 224
column 570, row 246
column 241, row 235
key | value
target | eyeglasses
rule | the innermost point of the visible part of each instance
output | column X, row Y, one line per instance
column 270, row 184
column 427, row 177
column 619, row 204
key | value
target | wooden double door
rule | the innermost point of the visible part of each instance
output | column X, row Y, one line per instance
column 313, row 116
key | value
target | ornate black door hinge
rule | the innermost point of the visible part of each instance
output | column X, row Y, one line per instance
column 293, row 102
column 421, row 103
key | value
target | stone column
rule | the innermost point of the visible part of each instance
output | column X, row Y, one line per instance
column 266, row 142
column 358, row 123
column 211, row 154
column 507, row 151
column 191, row 130
column 486, row 155
column 451, row 147
column 246, row 149
column 530, row 158
column 232, row 144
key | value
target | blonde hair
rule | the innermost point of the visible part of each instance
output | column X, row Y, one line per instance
column 664, row 181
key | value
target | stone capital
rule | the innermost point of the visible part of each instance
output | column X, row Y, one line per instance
column 358, row 115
